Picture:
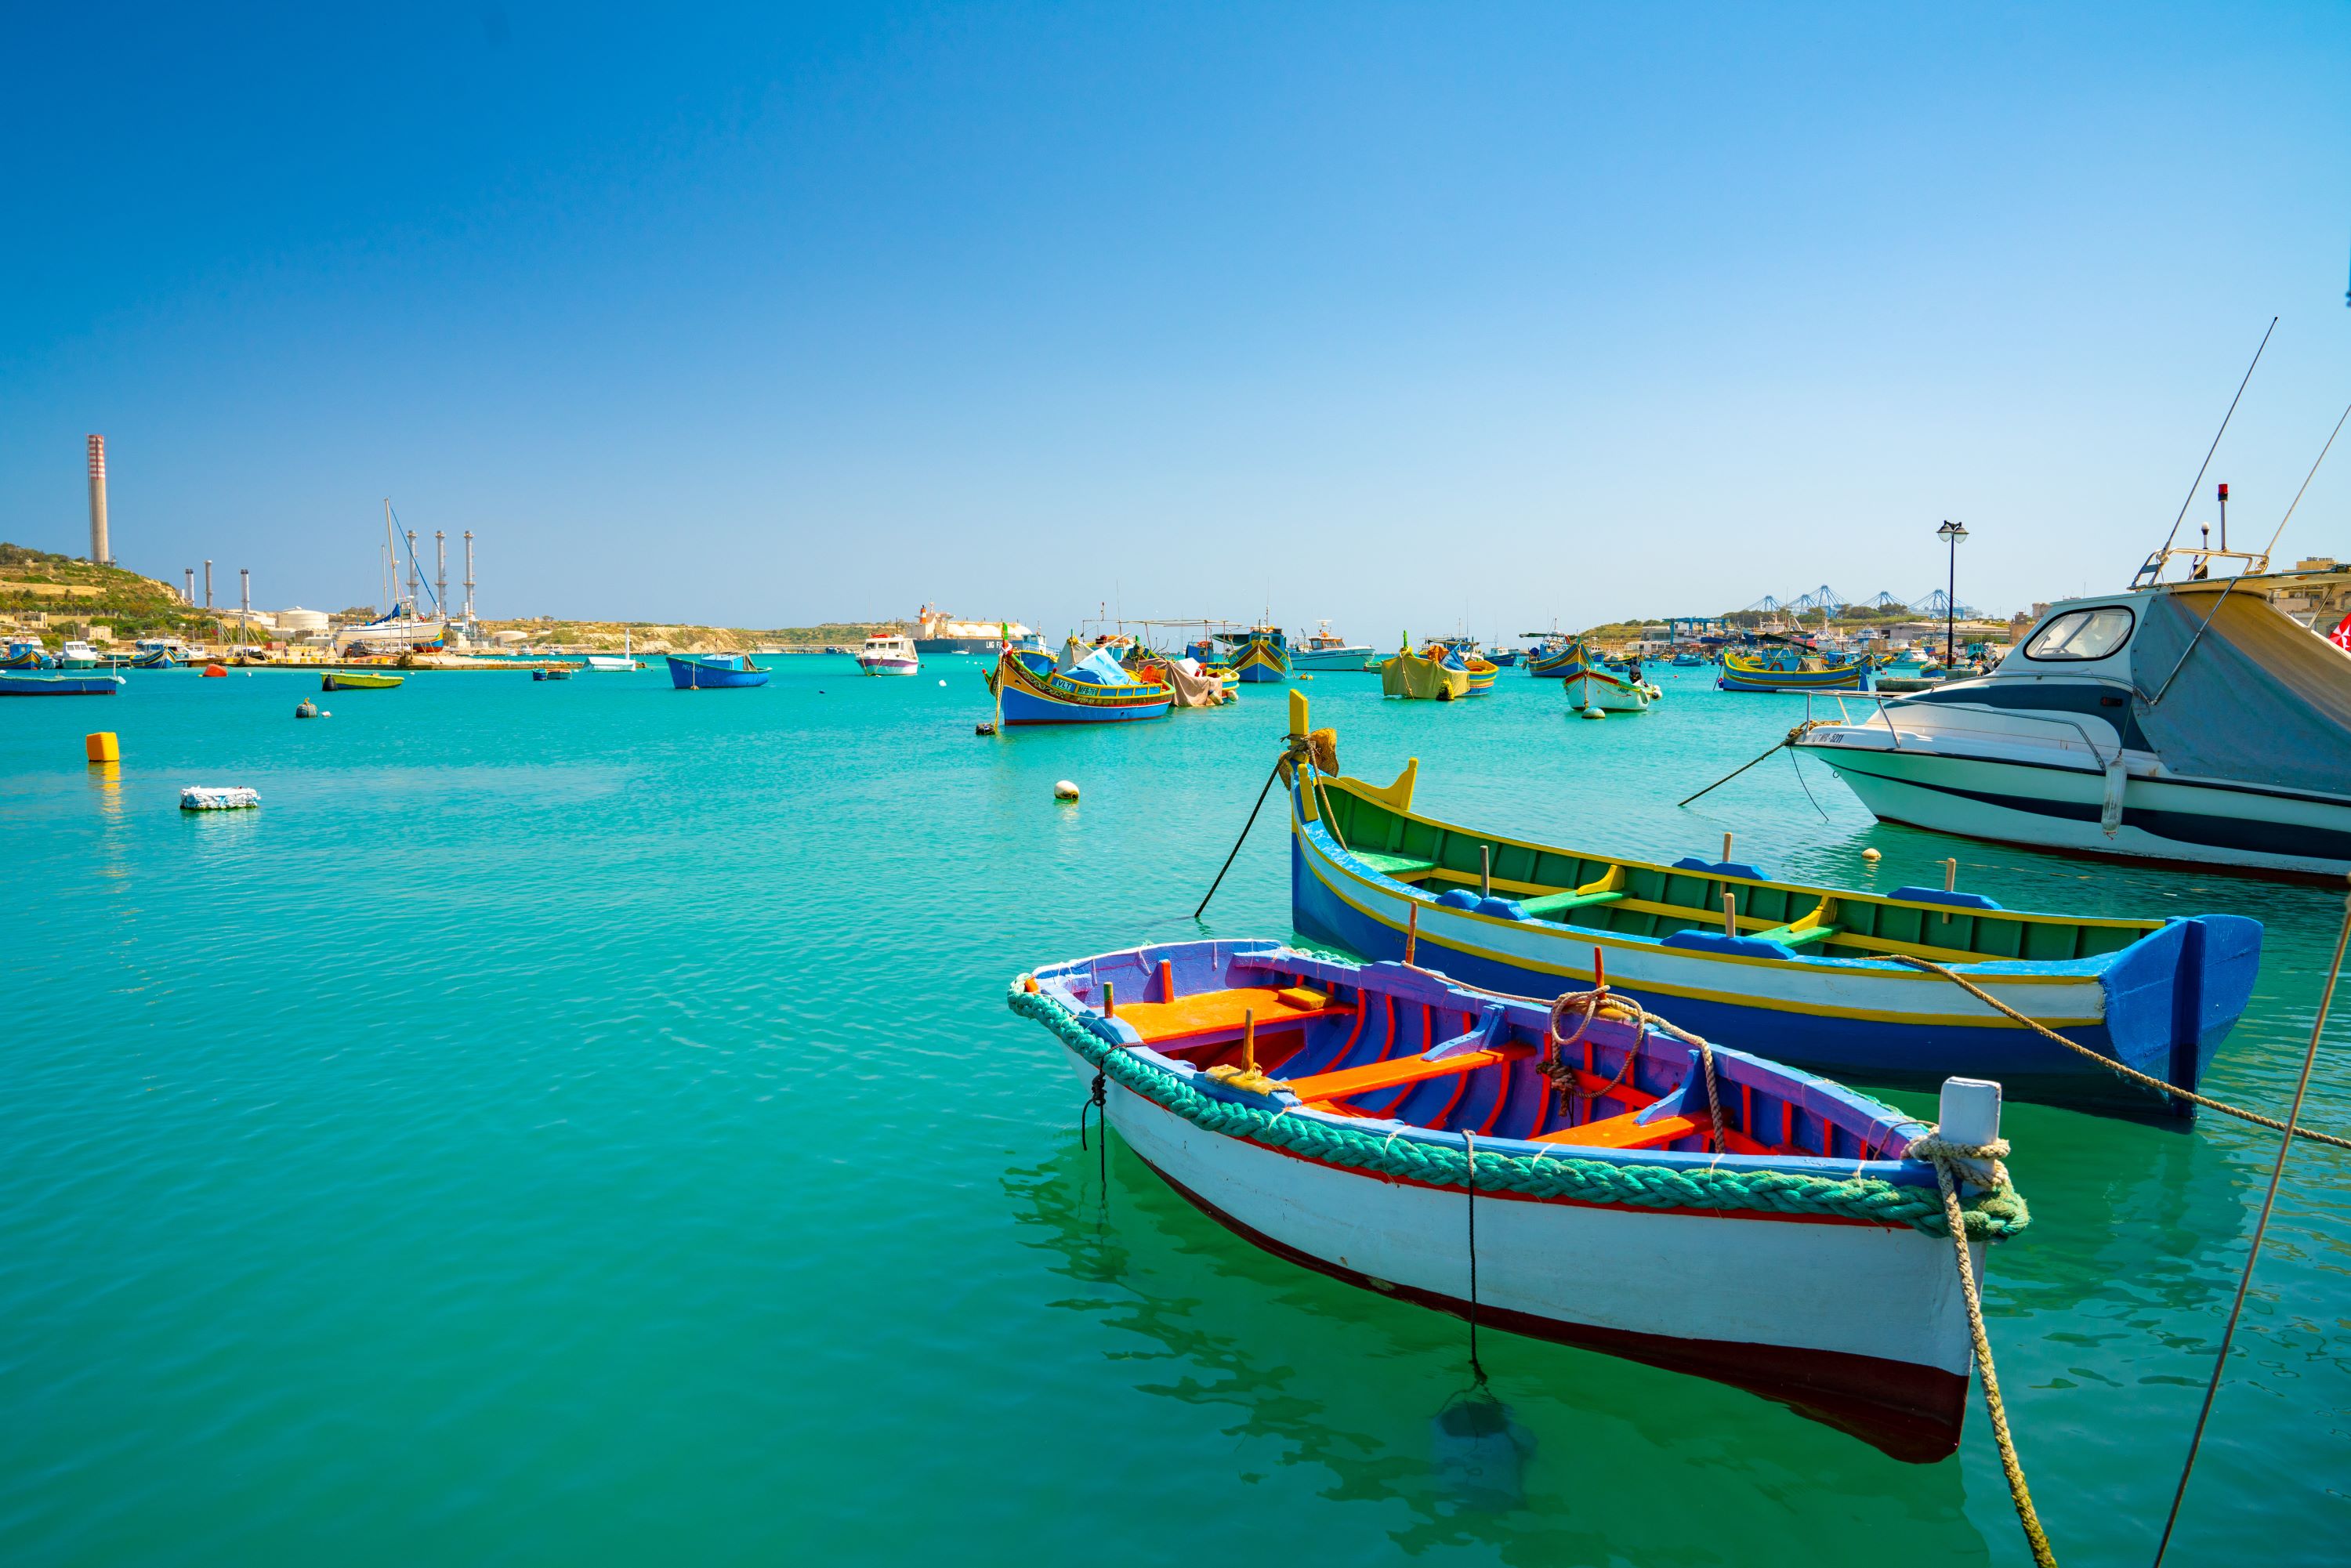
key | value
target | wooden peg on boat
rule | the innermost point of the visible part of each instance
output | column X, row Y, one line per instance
column 1950, row 879
column 1731, row 914
column 1725, row 849
column 1166, row 981
column 1411, row 929
column 1110, row 999
column 1485, row 871
column 1248, row 1039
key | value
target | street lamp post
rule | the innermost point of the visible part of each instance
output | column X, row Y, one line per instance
column 1951, row 533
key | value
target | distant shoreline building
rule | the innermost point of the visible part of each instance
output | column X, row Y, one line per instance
column 935, row 633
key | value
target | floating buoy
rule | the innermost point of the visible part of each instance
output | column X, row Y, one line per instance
column 1065, row 791
column 1593, row 713
column 218, row 797
column 983, row 729
column 1871, row 855
column 943, row 682
column 306, row 709
column 213, row 670
column 101, row 747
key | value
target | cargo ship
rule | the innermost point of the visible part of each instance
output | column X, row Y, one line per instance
column 935, row 633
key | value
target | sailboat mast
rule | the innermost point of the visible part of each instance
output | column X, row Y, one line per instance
column 391, row 558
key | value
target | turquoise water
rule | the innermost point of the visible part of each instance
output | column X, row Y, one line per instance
column 579, row 1122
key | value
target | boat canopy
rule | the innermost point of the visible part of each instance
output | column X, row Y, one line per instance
column 1100, row 667
column 2258, row 697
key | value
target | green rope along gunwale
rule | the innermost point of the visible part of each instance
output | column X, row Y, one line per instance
column 1989, row 1215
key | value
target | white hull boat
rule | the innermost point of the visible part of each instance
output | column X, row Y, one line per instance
column 889, row 654
column 1346, row 1116
column 2189, row 722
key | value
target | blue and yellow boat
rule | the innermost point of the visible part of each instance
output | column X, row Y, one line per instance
column 1260, row 654
column 1551, row 659
column 1786, row 670
column 26, row 655
column 1811, row 976
column 1030, row 688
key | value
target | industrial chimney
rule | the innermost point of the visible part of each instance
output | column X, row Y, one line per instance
column 97, row 546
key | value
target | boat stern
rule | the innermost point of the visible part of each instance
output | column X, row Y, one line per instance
column 2172, row 996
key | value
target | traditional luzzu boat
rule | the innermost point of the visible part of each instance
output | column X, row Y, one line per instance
column 1030, row 688
column 27, row 654
column 1551, row 659
column 698, row 671
column 1814, row 976
column 1422, row 677
column 1462, row 652
column 1260, row 654
column 1785, row 670
column 1684, row 1205
column 80, row 683
column 1591, row 683
column 357, row 681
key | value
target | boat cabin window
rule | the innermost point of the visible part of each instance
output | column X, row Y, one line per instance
column 2081, row 634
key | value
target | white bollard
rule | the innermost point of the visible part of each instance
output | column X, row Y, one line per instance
column 1969, row 1115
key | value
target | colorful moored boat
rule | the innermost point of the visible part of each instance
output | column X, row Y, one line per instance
column 1090, row 688
column 1590, row 684
column 26, row 655
column 1785, row 670
column 1813, row 978
column 1715, row 1213
column 357, row 681
column 1428, row 676
column 700, row 671
column 1260, row 654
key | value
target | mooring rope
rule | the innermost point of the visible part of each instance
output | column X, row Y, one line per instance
column 1946, row 1158
column 2261, row 1231
column 2134, row 1075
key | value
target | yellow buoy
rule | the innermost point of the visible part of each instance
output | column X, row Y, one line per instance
column 101, row 747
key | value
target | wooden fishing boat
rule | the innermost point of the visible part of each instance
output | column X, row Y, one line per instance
column 15, row 684
column 1348, row 1117
column 1463, row 652
column 1550, row 660
column 1422, row 677
column 1260, row 654
column 154, row 659
column 26, row 655
column 1589, row 683
column 1783, row 670
column 1811, row 975
column 702, row 672
column 1030, row 688
column 357, row 681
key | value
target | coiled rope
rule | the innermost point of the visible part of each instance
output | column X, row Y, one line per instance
column 2132, row 1073
column 1601, row 1002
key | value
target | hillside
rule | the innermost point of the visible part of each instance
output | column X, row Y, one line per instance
column 70, row 596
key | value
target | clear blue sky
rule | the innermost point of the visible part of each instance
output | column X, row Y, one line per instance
column 1395, row 315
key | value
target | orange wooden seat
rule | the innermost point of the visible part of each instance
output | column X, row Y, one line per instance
column 1207, row 1012
column 1349, row 1081
column 1626, row 1132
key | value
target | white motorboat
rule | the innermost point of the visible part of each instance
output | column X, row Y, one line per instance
column 889, row 654
column 613, row 664
column 77, row 655
column 2193, row 721
column 1324, row 649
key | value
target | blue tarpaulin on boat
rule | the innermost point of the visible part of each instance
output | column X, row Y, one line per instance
column 1102, row 668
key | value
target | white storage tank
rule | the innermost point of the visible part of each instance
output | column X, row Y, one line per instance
column 299, row 621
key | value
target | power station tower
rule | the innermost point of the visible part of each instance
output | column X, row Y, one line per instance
column 208, row 585
column 441, row 573
column 99, row 549
column 412, row 572
column 469, row 582
column 191, row 595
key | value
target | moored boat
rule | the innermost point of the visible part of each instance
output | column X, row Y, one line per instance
column 703, row 672
column 26, row 654
column 78, row 683
column 1349, row 1116
column 889, row 654
column 1785, row 670
column 1589, row 683
column 2193, row 722
column 1812, row 976
column 1084, row 688
column 77, row 654
column 358, row 681
column 1323, row 649
column 614, row 663
column 1260, row 654
column 1423, row 676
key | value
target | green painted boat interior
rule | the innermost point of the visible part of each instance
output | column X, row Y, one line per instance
column 1636, row 898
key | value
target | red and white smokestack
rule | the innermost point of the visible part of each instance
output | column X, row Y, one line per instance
column 98, row 553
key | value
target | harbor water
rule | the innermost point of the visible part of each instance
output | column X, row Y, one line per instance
column 578, row 1122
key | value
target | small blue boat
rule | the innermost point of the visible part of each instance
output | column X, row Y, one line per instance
column 26, row 654
column 78, row 685
column 693, row 672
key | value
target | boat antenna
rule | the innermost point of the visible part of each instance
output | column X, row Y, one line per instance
column 2306, row 479
column 2155, row 561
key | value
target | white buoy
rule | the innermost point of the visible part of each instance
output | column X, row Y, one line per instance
column 943, row 682
column 1593, row 713
column 1065, row 791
